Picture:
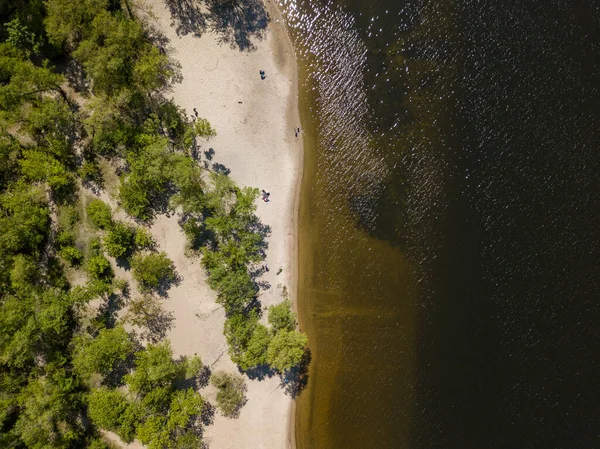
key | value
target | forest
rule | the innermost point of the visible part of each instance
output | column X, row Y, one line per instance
column 84, row 86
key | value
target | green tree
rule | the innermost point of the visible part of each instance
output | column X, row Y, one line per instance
column 232, row 392
column 286, row 349
column 185, row 407
column 25, row 220
column 19, row 36
column 256, row 350
column 99, row 268
column 119, row 240
column 68, row 22
column 100, row 214
column 281, row 316
column 130, row 419
column 103, row 353
column 203, row 129
column 153, row 432
column 148, row 178
column 24, row 273
column 38, row 166
column 143, row 239
column 153, row 271
column 154, row 368
column 71, row 255
column 48, row 406
column 106, row 408
column 238, row 330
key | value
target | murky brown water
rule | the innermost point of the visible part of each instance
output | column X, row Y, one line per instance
column 449, row 224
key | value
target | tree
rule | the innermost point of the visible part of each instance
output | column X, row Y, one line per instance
column 39, row 166
column 281, row 316
column 186, row 405
column 20, row 37
column 100, row 214
column 153, row 432
column 232, row 392
column 286, row 349
column 143, row 239
column 130, row 419
column 68, row 22
column 154, row 368
column 71, row 255
column 48, row 405
column 119, row 240
column 256, row 350
column 106, row 408
column 24, row 273
column 99, row 268
column 103, row 353
column 153, row 271
column 203, row 129
column 25, row 220
column 238, row 330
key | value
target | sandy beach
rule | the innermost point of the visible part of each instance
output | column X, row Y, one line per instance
column 255, row 121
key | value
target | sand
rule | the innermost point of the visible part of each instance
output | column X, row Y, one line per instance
column 256, row 142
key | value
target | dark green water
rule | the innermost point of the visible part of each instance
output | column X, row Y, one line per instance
column 450, row 223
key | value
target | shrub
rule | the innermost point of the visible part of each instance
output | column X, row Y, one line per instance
column 232, row 392
column 99, row 268
column 119, row 240
column 153, row 271
column 99, row 213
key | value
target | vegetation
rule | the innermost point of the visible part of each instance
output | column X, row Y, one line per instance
column 232, row 392
column 281, row 316
column 99, row 214
column 153, row 270
column 119, row 240
column 62, row 360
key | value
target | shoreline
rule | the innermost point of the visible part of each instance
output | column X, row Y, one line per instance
column 293, row 280
column 255, row 121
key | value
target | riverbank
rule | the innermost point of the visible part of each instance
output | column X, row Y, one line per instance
column 256, row 143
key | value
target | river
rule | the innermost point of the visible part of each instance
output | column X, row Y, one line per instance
column 449, row 223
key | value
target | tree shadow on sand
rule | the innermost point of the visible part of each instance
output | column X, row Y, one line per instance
column 187, row 17
column 236, row 22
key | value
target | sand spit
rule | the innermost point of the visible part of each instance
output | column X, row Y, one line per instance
column 255, row 120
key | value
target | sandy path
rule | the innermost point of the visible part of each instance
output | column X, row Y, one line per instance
column 256, row 142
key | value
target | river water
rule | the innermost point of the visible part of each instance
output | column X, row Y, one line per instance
column 449, row 223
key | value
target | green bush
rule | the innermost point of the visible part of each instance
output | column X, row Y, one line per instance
column 71, row 255
column 99, row 213
column 119, row 240
column 99, row 268
column 153, row 271
column 143, row 239
column 232, row 392
column 90, row 172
